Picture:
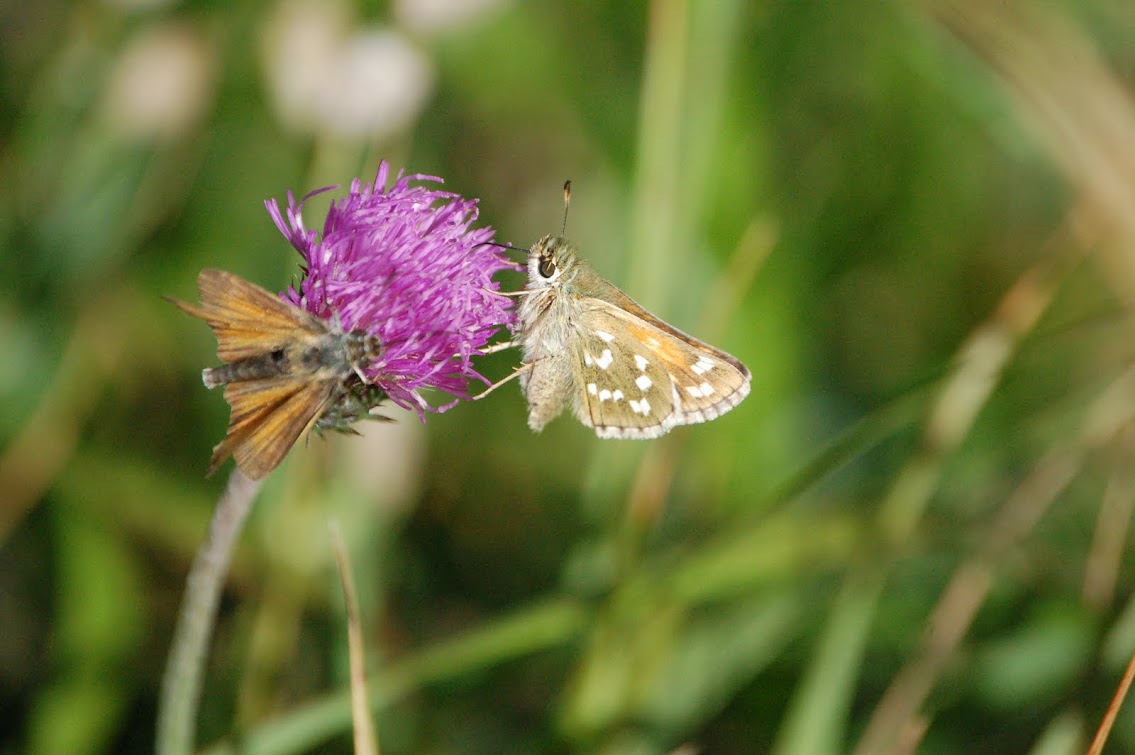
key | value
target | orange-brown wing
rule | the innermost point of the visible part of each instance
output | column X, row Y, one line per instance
column 268, row 417
column 668, row 377
column 247, row 319
column 707, row 381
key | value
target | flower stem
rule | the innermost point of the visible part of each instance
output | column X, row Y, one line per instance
column 181, row 686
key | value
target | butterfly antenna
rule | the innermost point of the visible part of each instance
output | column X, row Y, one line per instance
column 567, row 205
column 499, row 245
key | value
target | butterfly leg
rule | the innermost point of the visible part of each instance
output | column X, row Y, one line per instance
column 522, row 369
column 521, row 292
column 498, row 347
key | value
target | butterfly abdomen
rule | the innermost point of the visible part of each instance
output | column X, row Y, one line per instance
column 322, row 358
column 268, row 365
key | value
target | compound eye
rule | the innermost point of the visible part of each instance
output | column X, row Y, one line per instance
column 547, row 267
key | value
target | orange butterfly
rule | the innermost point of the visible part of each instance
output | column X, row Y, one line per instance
column 284, row 368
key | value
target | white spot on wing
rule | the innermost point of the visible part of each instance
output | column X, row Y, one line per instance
column 702, row 366
column 607, row 337
column 640, row 407
column 642, row 362
column 618, row 395
column 706, row 389
column 695, row 391
column 593, row 389
column 588, row 359
column 605, row 359
column 643, row 382
column 604, row 395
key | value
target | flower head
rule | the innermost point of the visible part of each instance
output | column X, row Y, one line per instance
column 403, row 265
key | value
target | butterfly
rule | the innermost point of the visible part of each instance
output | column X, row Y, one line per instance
column 624, row 372
column 284, row 370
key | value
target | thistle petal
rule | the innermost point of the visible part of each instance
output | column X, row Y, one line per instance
column 404, row 264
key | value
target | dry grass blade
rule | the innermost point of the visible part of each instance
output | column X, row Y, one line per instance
column 1101, row 571
column 1081, row 111
column 1113, row 710
column 1111, row 414
column 366, row 742
column 976, row 373
column 897, row 711
column 979, row 365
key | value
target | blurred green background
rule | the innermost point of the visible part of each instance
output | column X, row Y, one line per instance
column 915, row 222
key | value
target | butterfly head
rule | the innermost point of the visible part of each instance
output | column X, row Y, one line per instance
column 551, row 263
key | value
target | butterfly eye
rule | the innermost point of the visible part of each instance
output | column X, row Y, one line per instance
column 547, row 267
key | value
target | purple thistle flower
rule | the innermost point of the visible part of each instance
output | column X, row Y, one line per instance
column 403, row 265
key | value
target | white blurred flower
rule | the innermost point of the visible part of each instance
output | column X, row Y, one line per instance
column 326, row 77
column 161, row 84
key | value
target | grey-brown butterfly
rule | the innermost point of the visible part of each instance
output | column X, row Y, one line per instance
column 623, row 371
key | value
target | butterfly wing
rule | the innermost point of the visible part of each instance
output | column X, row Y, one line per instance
column 641, row 376
column 268, row 417
column 247, row 319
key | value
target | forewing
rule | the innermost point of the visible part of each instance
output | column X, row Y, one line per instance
column 247, row 319
column 268, row 417
column 681, row 380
